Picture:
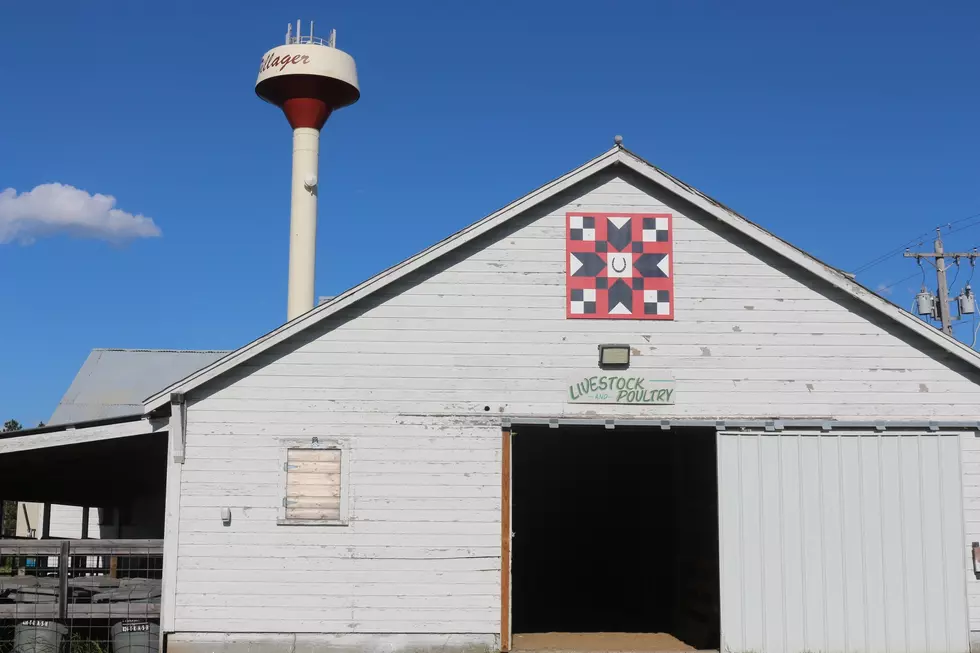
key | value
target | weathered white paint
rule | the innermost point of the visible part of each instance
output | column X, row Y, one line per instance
column 418, row 382
column 70, row 435
column 841, row 542
column 292, row 642
column 681, row 195
column 171, row 520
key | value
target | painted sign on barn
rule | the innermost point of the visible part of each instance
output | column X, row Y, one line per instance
column 619, row 266
column 621, row 389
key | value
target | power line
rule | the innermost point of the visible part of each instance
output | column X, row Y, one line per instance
column 967, row 226
column 893, row 284
column 916, row 241
column 881, row 259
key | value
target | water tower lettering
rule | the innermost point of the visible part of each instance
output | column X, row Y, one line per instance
column 273, row 60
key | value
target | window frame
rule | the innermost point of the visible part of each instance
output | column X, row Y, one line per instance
column 315, row 443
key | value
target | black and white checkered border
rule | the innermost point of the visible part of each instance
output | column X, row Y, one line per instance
column 656, row 302
column 656, row 230
column 583, row 301
column 581, row 227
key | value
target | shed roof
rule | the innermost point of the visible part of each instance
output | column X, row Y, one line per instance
column 617, row 156
column 114, row 382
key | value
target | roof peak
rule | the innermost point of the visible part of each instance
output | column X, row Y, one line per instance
column 616, row 155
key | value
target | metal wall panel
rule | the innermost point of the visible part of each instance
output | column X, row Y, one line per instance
column 841, row 542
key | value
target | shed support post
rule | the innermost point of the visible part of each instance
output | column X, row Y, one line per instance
column 63, row 570
column 46, row 522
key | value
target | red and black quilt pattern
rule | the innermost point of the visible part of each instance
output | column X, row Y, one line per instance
column 619, row 266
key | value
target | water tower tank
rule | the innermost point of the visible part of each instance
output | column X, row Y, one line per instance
column 308, row 78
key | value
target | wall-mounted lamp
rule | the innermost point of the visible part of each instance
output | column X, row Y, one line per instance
column 614, row 357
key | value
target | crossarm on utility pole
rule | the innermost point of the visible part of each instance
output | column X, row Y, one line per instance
column 940, row 257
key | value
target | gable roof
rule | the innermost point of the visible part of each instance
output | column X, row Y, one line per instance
column 618, row 155
column 114, row 382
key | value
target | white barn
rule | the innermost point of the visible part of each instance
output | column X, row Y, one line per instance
column 413, row 464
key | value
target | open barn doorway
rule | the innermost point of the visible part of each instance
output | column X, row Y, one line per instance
column 615, row 532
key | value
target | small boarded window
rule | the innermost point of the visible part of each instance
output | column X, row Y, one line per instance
column 314, row 480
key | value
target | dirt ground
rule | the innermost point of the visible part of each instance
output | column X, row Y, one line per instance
column 598, row 642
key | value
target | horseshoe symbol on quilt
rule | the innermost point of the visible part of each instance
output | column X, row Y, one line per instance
column 619, row 259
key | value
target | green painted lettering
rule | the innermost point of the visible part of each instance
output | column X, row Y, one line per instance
column 593, row 384
column 571, row 392
column 620, row 396
column 603, row 382
column 639, row 383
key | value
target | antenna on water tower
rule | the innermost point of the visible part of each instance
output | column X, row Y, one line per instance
column 308, row 78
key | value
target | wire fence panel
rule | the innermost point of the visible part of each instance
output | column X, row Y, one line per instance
column 80, row 596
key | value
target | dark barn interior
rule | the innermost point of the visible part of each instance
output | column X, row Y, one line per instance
column 615, row 531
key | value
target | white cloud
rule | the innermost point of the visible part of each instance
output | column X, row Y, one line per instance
column 54, row 209
column 884, row 289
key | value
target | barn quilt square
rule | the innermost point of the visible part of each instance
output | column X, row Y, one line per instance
column 620, row 266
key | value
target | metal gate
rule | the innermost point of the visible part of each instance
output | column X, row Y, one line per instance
column 841, row 542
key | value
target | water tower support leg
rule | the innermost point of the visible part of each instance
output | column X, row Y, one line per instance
column 302, row 221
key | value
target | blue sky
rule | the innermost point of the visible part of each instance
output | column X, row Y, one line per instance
column 847, row 130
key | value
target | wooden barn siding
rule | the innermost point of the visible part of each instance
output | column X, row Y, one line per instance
column 408, row 381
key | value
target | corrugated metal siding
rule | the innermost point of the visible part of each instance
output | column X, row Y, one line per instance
column 841, row 543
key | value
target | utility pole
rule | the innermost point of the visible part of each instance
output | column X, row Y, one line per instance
column 938, row 259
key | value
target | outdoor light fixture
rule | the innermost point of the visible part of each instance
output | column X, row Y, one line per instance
column 614, row 356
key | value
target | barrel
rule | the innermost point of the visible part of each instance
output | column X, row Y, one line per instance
column 135, row 636
column 39, row 636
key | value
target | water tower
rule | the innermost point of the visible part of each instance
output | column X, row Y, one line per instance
column 307, row 78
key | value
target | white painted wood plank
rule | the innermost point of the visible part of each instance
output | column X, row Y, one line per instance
column 325, row 472
column 363, row 514
column 359, row 589
column 306, row 541
column 395, row 479
column 322, row 564
column 82, row 435
column 339, row 577
column 228, row 494
column 488, row 601
column 247, row 625
column 171, row 526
